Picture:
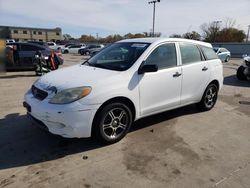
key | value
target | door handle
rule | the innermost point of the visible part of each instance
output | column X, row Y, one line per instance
column 177, row 74
column 204, row 69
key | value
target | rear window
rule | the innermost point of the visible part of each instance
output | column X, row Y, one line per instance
column 209, row 53
column 190, row 53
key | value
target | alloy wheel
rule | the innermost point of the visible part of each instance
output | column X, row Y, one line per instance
column 115, row 123
column 210, row 97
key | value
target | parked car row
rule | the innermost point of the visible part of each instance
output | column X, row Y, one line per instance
column 73, row 49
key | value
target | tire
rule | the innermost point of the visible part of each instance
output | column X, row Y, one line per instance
column 112, row 123
column 227, row 59
column 81, row 52
column 66, row 52
column 209, row 98
column 240, row 73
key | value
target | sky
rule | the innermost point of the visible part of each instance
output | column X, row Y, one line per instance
column 105, row 17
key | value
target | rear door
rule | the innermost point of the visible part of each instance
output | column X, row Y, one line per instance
column 196, row 73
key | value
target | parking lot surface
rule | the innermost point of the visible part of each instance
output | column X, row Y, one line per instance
column 178, row 148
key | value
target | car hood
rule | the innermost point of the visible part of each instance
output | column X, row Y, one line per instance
column 76, row 76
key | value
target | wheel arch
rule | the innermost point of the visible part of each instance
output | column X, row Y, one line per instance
column 216, row 82
column 119, row 99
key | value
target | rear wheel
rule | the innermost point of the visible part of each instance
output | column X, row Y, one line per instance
column 227, row 59
column 240, row 73
column 209, row 98
column 66, row 51
column 112, row 123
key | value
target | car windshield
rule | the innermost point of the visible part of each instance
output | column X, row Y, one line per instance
column 118, row 56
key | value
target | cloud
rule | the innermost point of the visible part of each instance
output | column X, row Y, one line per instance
column 122, row 16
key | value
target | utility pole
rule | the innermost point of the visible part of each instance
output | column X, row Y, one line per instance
column 153, row 2
column 216, row 28
column 97, row 36
column 248, row 33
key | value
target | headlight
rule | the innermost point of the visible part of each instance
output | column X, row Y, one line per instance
column 70, row 95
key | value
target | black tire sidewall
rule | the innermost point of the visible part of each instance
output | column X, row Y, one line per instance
column 202, row 104
column 240, row 73
column 98, row 130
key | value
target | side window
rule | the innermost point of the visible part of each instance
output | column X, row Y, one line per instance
column 25, row 47
column 209, row 53
column 190, row 53
column 163, row 56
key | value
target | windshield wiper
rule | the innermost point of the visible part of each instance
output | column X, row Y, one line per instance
column 88, row 63
column 107, row 67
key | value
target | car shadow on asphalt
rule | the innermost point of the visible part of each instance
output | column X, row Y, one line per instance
column 233, row 81
column 22, row 143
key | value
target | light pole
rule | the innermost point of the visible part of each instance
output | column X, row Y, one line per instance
column 153, row 2
column 248, row 33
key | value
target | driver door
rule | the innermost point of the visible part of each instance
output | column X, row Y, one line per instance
column 161, row 90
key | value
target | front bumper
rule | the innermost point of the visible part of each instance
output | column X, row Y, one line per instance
column 70, row 121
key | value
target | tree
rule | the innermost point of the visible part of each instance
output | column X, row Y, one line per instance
column 213, row 32
column 192, row 35
column 87, row 38
column 210, row 31
column 175, row 36
column 231, row 35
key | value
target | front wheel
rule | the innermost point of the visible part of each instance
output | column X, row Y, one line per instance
column 209, row 98
column 112, row 123
column 240, row 73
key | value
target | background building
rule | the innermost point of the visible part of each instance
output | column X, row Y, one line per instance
column 28, row 33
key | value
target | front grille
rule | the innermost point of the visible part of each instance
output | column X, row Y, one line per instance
column 38, row 93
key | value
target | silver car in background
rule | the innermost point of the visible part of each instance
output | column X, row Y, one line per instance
column 223, row 54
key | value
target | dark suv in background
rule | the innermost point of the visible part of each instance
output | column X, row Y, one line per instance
column 19, row 55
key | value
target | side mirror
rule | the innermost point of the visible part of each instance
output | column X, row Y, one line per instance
column 147, row 68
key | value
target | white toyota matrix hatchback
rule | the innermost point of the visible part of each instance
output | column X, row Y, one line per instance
column 124, row 82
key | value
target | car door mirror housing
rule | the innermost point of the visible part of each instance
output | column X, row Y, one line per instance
column 147, row 68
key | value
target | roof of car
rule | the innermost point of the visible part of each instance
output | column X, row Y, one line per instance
column 26, row 43
column 160, row 40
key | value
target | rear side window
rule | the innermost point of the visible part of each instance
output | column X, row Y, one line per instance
column 190, row 53
column 163, row 56
column 209, row 53
column 26, row 47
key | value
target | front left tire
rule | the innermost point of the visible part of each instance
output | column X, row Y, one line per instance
column 112, row 123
